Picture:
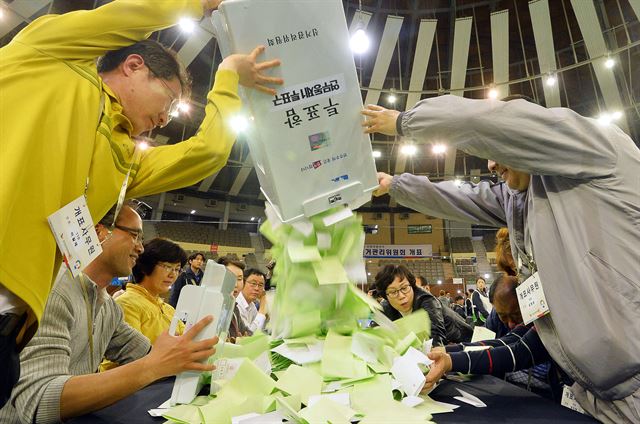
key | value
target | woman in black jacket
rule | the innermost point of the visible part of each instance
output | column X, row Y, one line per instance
column 397, row 285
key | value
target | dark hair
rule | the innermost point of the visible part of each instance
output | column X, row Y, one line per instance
column 441, row 292
column 161, row 61
column 480, row 278
column 157, row 250
column 254, row 271
column 424, row 280
column 390, row 273
column 503, row 280
column 228, row 260
column 458, row 297
column 195, row 255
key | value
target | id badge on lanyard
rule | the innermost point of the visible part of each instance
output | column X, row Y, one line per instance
column 531, row 298
column 75, row 235
column 75, row 232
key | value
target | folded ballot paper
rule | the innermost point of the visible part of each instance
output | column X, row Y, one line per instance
column 306, row 142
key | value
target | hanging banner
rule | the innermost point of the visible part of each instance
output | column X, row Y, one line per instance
column 397, row 250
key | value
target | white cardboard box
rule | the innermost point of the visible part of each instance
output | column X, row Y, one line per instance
column 307, row 144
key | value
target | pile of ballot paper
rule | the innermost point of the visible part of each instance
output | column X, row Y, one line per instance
column 319, row 365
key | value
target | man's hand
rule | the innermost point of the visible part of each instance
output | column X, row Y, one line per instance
column 440, row 366
column 264, row 309
column 384, row 182
column 209, row 6
column 380, row 120
column 172, row 355
column 251, row 72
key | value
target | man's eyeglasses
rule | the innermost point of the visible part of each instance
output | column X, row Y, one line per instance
column 256, row 285
column 136, row 234
column 169, row 268
column 143, row 209
column 174, row 106
column 396, row 293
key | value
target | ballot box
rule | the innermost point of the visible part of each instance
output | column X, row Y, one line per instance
column 211, row 297
column 306, row 142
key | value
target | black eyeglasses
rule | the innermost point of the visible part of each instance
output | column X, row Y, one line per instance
column 135, row 233
column 140, row 207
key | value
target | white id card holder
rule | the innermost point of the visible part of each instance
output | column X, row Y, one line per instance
column 75, row 235
column 533, row 304
column 569, row 400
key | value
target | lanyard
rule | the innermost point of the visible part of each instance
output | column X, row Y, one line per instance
column 85, row 294
column 123, row 187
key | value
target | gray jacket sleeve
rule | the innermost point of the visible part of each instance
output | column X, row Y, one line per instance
column 518, row 134
column 474, row 203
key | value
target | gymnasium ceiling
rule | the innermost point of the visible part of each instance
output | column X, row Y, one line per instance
column 578, row 34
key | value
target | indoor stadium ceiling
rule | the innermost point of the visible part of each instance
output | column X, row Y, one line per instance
column 424, row 48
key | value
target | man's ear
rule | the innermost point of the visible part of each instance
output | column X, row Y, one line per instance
column 133, row 63
column 102, row 232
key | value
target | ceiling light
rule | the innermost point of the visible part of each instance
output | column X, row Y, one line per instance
column 187, row 25
column 459, row 291
column 605, row 119
column 239, row 124
column 439, row 148
column 359, row 41
column 253, row 218
column 377, row 154
column 391, row 98
column 609, row 63
column 184, row 107
column 439, row 281
column 193, row 211
column 486, row 276
column 408, row 149
column 493, row 94
column 551, row 80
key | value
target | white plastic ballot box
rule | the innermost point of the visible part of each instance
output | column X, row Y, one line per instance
column 212, row 297
column 306, row 142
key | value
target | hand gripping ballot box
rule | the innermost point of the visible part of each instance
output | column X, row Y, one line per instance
column 307, row 144
column 211, row 297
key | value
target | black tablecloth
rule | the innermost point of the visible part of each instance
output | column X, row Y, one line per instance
column 506, row 403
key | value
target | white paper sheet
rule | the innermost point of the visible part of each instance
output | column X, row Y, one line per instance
column 470, row 399
column 300, row 353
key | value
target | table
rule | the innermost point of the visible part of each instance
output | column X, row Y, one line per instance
column 506, row 403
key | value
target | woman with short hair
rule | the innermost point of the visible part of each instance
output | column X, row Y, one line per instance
column 397, row 285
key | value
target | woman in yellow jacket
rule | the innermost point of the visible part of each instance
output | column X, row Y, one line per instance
column 156, row 269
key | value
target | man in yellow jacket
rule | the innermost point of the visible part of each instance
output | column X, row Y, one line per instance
column 66, row 129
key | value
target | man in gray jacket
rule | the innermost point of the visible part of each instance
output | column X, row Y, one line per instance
column 570, row 199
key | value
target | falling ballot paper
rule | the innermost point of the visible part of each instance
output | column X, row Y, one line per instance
column 306, row 142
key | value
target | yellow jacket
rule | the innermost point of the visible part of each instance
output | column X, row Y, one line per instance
column 54, row 135
column 148, row 314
